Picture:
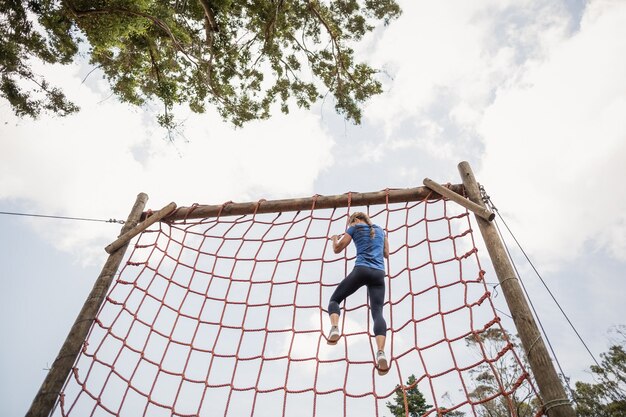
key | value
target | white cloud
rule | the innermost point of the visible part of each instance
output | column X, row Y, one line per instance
column 555, row 142
column 278, row 157
column 520, row 87
column 446, row 60
column 94, row 163
column 458, row 52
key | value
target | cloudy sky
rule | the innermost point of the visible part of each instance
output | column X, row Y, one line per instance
column 531, row 92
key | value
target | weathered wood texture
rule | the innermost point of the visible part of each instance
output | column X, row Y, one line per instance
column 460, row 200
column 298, row 204
column 149, row 221
column 550, row 387
column 48, row 394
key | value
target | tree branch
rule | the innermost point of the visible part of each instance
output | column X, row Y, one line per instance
column 210, row 24
column 271, row 24
column 336, row 47
column 120, row 10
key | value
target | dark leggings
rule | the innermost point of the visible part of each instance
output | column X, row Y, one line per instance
column 374, row 279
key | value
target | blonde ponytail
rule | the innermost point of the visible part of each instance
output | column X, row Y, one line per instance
column 364, row 217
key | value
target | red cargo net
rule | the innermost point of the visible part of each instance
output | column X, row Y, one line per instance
column 227, row 317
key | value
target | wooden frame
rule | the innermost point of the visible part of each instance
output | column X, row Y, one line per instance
column 555, row 401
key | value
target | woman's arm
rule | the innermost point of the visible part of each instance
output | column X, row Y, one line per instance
column 386, row 248
column 340, row 244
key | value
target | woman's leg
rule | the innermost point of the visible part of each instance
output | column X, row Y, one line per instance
column 346, row 288
column 376, row 291
column 380, row 342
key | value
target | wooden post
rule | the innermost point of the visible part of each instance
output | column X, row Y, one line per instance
column 554, row 398
column 48, row 394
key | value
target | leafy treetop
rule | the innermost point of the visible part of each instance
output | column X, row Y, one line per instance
column 239, row 56
column 607, row 396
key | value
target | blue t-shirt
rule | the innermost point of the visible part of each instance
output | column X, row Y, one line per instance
column 369, row 251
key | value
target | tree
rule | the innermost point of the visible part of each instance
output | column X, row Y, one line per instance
column 607, row 397
column 240, row 56
column 415, row 401
column 501, row 374
column 18, row 43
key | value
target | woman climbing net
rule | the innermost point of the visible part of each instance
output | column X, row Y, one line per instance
column 372, row 247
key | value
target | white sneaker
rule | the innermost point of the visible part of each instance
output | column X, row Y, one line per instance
column 381, row 361
column 333, row 336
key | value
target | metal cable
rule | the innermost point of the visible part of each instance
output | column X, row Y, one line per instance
column 61, row 217
column 537, row 273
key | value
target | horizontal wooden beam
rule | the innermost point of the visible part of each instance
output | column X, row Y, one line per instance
column 459, row 199
column 298, row 204
column 147, row 222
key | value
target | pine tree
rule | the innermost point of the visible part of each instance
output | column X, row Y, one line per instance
column 415, row 402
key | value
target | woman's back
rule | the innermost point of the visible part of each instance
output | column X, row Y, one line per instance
column 370, row 250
